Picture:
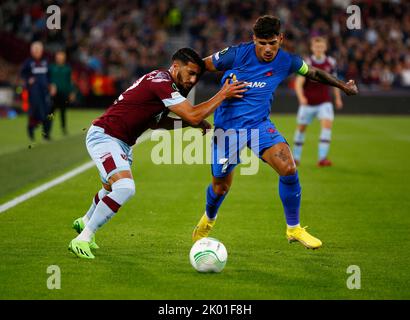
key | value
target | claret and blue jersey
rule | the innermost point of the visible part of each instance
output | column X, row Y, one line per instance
column 242, row 63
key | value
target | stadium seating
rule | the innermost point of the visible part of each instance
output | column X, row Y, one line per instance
column 123, row 39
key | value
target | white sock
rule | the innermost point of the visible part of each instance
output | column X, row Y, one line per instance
column 209, row 219
column 122, row 191
column 293, row 227
column 85, row 235
column 299, row 139
column 100, row 194
column 324, row 143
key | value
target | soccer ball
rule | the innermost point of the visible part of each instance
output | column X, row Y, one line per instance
column 208, row 255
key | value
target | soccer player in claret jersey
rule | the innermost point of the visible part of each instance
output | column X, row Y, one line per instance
column 143, row 105
column 263, row 65
column 315, row 101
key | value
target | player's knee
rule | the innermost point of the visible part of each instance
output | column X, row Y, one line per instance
column 107, row 187
column 289, row 169
column 125, row 186
column 302, row 128
column 221, row 188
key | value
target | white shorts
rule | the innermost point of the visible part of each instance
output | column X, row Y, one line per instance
column 322, row 111
column 108, row 153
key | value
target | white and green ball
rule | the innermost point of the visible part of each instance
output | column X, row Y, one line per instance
column 208, row 255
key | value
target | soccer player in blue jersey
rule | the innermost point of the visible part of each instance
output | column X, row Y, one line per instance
column 264, row 65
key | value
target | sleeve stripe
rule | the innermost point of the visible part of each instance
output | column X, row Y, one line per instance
column 215, row 61
column 303, row 69
column 173, row 101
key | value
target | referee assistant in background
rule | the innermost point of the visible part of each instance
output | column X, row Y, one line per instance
column 60, row 76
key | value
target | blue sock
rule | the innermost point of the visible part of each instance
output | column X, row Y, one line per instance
column 290, row 194
column 324, row 143
column 213, row 202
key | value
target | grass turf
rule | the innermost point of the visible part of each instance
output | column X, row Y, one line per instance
column 28, row 164
column 359, row 209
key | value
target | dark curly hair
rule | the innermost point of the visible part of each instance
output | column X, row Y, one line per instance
column 266, row 27
column 186, row 55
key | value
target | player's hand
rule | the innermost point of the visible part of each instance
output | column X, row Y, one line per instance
column 303, row 101
column 338, row 103
column 71, row 97
column 53, row 89
column 350, row 88
column 234, row 89
column 204, row 126
column 31, row 80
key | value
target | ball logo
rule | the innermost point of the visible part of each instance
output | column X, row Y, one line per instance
column 208, row 255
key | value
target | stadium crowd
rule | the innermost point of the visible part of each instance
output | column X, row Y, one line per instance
column 124, row 39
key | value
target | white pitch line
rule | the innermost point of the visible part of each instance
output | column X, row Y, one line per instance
column 45, row 186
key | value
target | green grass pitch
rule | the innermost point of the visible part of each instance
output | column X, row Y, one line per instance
column 360, row 209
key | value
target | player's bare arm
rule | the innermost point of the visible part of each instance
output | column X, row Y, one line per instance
column 299, row 82
column 322, row 76
column 209, row 65
column 338, row 98
column 196, row 114
column 168, row 123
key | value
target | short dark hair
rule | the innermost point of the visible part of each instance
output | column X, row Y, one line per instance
column 266, row 27
column 186, row 55
column 318, row 39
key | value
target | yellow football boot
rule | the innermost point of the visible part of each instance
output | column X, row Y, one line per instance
column 202, row 229
column 300, row 234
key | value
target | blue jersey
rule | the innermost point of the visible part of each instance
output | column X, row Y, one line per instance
column 241, row 63
column 37, row 69
column 39, row 97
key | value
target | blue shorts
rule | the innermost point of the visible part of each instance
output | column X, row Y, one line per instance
column 228, row 144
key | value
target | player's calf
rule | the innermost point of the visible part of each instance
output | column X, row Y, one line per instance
column 298, row 141
column 98, row 196
column 122, row 191
column 324, row 143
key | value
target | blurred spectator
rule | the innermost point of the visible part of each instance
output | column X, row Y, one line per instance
column 60, row 76
column 124, row 39
column 405, row 73
column 36, row 77
column 6, row 99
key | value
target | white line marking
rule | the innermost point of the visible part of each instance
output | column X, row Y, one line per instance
column 45, row 186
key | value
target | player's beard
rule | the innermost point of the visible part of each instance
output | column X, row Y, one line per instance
column 182, row 89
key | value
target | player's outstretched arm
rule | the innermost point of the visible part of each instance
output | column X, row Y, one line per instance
column 338, row 99
column 196, row 114
column 299, row 82
column 322, row 76
column 168, row 123
column 209, row 65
